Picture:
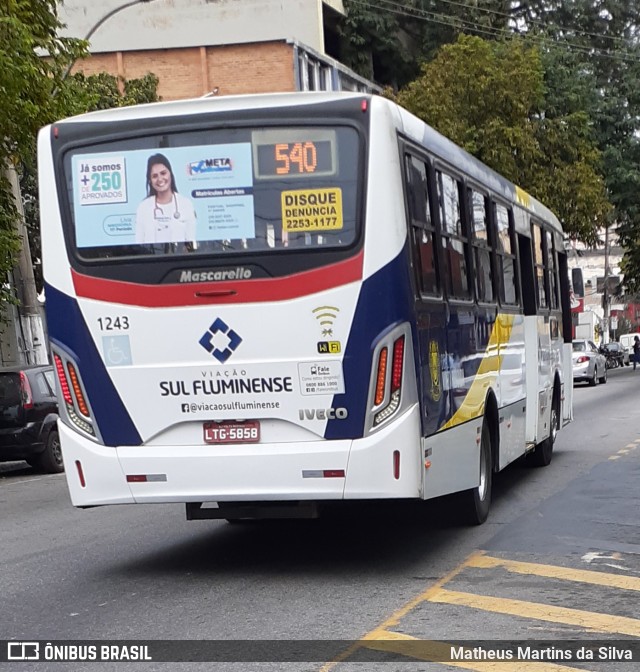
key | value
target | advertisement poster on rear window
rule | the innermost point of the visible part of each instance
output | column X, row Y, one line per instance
column 171, row 195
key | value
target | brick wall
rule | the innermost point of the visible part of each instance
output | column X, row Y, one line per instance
column 192, row 72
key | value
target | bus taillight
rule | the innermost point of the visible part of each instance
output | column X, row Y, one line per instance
column 62, row 379
column 73, row 395
column 77, row 390
column 381, row 378
column 397, row 366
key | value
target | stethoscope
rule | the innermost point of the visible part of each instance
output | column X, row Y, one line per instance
column 156, row 208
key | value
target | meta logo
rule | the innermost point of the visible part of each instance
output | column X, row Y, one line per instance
column 323, row 413
column 217, row 165
column 233, row 341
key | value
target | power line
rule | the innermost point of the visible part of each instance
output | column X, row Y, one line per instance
column 459, row 23
column 507, row 15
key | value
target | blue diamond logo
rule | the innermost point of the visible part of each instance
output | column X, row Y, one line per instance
column 233, row 341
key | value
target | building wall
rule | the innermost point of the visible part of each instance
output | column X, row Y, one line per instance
column 170, row 24
column 195, row 71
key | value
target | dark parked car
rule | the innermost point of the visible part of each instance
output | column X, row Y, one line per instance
column 28, row 415
column 614, row 353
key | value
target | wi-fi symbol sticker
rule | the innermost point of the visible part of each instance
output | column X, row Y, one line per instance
column 326, row 316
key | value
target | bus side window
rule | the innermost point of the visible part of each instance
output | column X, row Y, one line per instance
column 422, row 228
column 505, row 256
column 481, row 247
column 539, row 266
column 454, row 240
column 552, row 269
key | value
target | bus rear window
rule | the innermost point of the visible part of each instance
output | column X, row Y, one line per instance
column 214, row 192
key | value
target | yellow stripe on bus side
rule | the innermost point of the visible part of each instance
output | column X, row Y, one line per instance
column 487, row 374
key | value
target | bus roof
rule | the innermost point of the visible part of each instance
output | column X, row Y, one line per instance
column 213, row 104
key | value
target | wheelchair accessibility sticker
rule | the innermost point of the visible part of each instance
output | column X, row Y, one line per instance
column 117, row 350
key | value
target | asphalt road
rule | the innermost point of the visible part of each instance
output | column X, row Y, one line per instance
column 558, row 560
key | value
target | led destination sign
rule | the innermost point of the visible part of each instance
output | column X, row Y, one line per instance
column 294, row 153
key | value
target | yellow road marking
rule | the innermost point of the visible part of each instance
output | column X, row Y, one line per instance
column 621, row 625
column 440, row 652
column 555, row 572
column 395, row 617
column 383, row 639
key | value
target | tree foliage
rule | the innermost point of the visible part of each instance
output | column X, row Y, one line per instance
column 28, row 29
column 34, row 64
column 590, row 52
column 387, row 40
column 491, row 99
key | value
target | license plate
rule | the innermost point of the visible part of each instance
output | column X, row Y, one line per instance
column 232, row 432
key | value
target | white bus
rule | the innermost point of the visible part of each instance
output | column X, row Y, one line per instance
column 261, row 304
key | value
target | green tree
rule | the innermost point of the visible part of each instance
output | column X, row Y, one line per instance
column 375, row 44
column 387, row 40
column 491, row 98
column 606, row 37
column 28, row 28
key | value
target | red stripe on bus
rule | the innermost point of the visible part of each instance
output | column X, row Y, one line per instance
column 228, row 291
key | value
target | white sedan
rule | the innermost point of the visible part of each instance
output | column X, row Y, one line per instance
column 589, row 365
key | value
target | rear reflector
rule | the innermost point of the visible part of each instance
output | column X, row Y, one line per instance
column 80, row 474
column 146, row 478
column 323, row 473
column 396, row 464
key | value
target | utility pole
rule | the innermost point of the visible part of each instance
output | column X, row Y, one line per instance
column 30, row 336
column 605, row 297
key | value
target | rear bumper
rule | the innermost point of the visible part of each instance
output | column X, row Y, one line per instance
column 250, row 472
column 19, row 443
column 582, row 373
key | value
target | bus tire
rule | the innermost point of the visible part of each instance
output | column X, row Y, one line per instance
column 475, row 503
column 541, row 456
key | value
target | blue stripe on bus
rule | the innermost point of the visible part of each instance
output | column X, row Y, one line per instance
column 386, row 299
column 66, row 324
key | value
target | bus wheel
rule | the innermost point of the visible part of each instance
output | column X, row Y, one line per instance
column 475, row 503
column 541, row 456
